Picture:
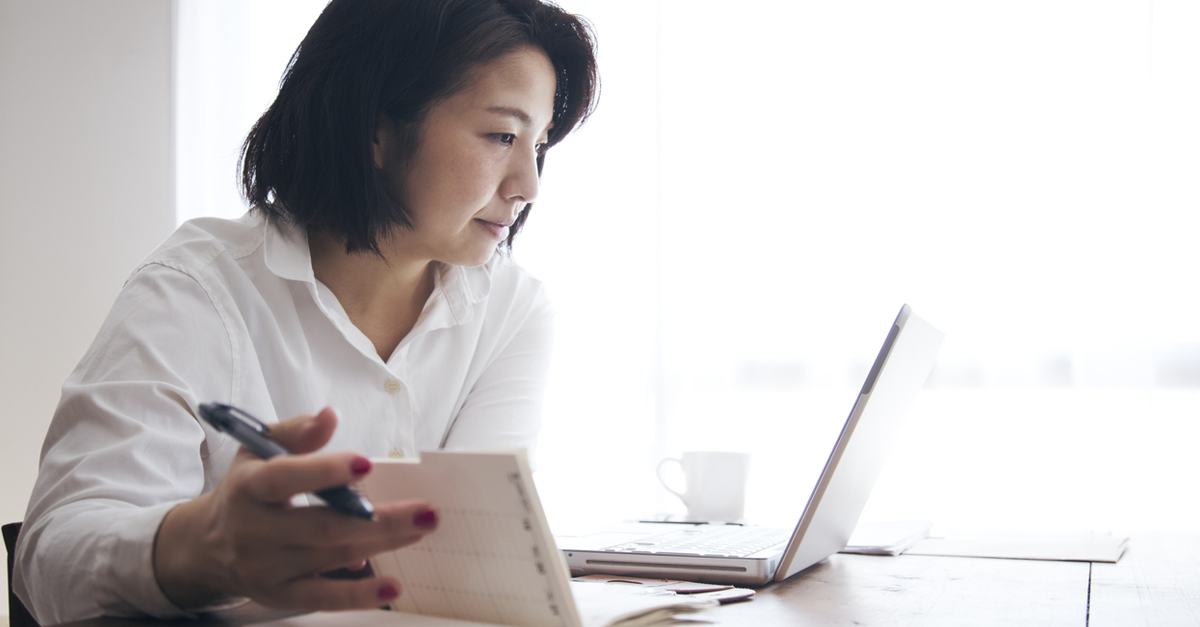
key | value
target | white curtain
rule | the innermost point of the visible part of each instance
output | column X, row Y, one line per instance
column 728, row 238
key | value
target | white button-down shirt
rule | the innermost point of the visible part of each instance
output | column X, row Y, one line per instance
column 229, row 311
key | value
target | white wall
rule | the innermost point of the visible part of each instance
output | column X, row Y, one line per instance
column 85, row 193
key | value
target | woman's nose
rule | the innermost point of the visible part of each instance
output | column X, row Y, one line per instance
column 521, row 183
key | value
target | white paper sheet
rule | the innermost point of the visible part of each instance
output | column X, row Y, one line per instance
column 886, row 538
column 1054, row 547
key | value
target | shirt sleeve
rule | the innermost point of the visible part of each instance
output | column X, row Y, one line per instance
column 124, row 447
column 504, row 407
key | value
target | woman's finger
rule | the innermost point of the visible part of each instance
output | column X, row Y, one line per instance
column 352, row 553
column 315, row 539
column 319, row 526
column 285, row 543
column 278, row 479
column 315, row 593
column 302, row 434
column 306, row 434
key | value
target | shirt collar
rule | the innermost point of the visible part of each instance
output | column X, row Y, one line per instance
column 287, row 255
column 286, row 251
column 464, row 286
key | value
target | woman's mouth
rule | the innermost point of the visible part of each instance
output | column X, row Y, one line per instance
column 498, row 230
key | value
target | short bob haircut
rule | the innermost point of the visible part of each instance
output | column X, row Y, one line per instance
column 309, row 159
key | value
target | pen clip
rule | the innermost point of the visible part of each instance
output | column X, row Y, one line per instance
column 222, row 417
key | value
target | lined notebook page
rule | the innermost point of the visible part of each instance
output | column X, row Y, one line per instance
column 492, row 558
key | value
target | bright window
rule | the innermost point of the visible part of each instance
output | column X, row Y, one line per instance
column 728, row 238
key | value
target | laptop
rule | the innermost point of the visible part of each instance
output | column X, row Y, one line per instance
column 748, row 555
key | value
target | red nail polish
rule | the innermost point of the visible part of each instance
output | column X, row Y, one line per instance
column 388, row 592
column 360, row 466
column 425, row 519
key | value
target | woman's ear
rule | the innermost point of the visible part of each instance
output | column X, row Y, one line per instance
column 385, row 137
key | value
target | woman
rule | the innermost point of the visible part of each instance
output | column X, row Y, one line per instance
column 388, row 180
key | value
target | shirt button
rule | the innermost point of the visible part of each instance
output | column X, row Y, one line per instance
column 391, row 386
column 395, row 453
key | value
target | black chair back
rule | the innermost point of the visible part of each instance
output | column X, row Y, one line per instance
column 18, row 616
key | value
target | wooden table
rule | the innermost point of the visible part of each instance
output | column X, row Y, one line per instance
column 1156, row 583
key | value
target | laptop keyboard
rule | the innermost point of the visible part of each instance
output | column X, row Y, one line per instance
column 708, row 541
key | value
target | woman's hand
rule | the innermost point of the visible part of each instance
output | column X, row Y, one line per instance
column 245, row 539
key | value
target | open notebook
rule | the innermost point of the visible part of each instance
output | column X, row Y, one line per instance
column 493, row 558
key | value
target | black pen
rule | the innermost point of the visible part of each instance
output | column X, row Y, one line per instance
column 254, row 435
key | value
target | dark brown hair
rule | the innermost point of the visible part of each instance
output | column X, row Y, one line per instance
column 309, row 159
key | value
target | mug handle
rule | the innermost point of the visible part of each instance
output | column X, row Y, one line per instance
column 658, row 471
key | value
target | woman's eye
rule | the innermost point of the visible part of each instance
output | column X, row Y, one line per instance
column 506, row 138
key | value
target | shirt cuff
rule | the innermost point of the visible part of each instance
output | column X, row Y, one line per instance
column 131, row 578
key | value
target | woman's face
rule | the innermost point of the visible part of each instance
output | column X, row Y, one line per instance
column 475, row 167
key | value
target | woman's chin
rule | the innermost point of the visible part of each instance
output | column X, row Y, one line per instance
column 473, row 259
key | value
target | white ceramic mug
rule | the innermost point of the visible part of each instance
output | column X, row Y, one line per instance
column 716, row 484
